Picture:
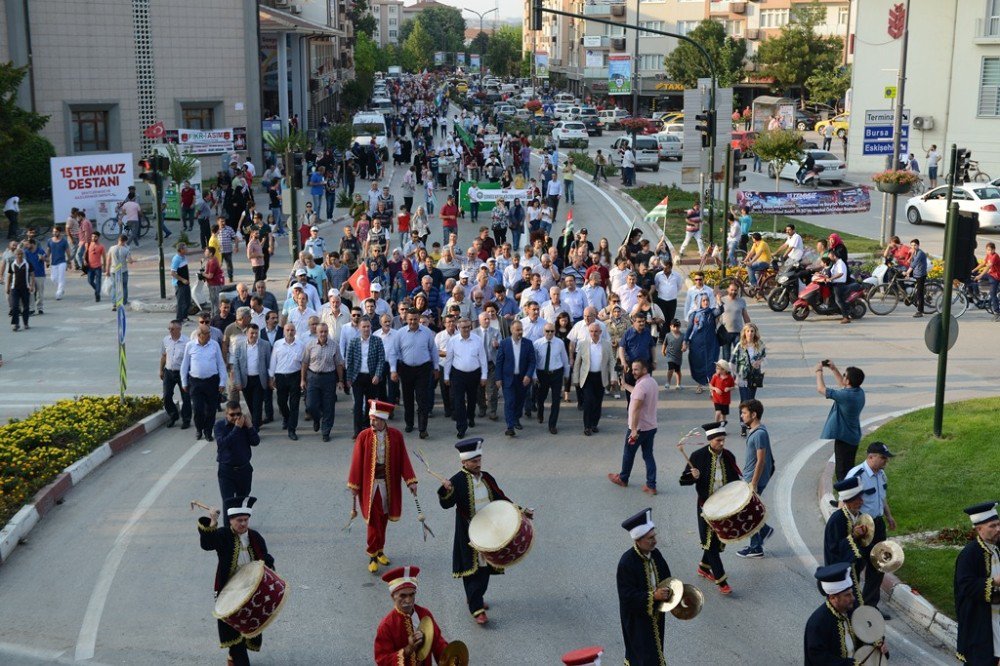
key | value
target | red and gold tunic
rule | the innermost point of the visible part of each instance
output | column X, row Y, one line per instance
column 394, row 633
column 397, row 470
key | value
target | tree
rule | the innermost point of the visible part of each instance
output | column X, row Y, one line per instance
column 287, row 145
column 445, row 26
column 16, row 124
column 364, row 22
column 20, row 144
column 480, row 44
column 182, row 166
column 686, row 65
column 418, row 48
column 780, row 148
column 504, row 51
column 797, row 52
column 829, row 85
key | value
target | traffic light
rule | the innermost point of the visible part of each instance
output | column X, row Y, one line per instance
column 536, row 14
column 146, row 170
column 161, row 163
column 736, row 176
column 706, row 127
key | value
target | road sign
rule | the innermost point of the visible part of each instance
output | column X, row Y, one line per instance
column 878, row 132
column 889, row 92
column 885, row 132
column 884, row 148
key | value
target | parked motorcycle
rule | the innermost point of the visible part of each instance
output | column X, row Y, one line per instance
column 811, row 177
column 818, row 297
column 790, row 282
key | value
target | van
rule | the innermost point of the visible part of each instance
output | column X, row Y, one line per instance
column 565, row 97
column 368, row 124
column 612, row 117
column 647, row 152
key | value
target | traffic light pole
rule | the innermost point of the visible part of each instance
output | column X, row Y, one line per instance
column 725, row 204
column 158, row 205
column 950, row 238
column 897, row 119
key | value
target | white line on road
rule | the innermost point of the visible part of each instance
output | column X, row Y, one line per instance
column 87, row 640
column 23, row 652
column 787, row 519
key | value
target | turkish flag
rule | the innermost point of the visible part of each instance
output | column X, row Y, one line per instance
column 155, row 131
column 359, row 283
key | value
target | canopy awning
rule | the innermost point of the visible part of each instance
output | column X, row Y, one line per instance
column 275, row 20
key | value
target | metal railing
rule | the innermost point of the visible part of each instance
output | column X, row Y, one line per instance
column 988, row 28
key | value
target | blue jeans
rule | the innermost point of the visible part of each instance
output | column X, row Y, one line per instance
column 645, row 442
column 757, row 540
column 516, row 240
column 123, row 276
column 279, row 221
column 331, row 203
column 187, row 218
column 756, row 268
column 94, row 280
column 994, row 288
column 568, row 189
column 317, row 200
column 473, row 211
column 429, row 201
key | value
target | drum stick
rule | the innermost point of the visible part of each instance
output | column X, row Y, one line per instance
column 196, row 503
column 680, row 444
column 423, row 520
column 420, row 456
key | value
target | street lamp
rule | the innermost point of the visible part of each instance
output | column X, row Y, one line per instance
column 481, row 16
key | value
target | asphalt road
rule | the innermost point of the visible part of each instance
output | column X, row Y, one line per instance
column 116, row 573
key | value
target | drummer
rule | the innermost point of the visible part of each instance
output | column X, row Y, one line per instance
column 588, row 656
column 977, row 569
column 829, row 639
column 468, row 491
column 398, row 638
column 640, row 568
column 235, row 545
column 712, row 466
column 379, row 467
column 842, row 540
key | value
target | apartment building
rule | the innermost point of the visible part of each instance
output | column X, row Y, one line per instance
column 952, row 88
column 388, row 19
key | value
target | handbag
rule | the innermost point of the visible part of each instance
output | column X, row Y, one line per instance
column 755, row 376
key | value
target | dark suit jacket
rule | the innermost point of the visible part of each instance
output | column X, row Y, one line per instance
column 376, row 357
column 505, row 371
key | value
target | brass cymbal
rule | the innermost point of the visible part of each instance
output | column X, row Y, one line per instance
column 455, row 654
column 676, row 587
column 887, row 556
column 869, row 523
column 691, row 603
column 427, row 629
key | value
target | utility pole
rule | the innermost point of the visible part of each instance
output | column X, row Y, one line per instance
column 481, row 15
column 897, row 120
column 635, row 77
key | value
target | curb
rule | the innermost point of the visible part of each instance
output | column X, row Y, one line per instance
column 46, row 499
column 902, row 597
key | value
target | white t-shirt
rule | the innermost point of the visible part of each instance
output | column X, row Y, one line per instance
column 795, row 247
column 839, row 268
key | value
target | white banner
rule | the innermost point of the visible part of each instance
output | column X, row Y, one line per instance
column 89, row 182
column 509, row 194
column 201, row 142
column 595, row 58
column 590, row 41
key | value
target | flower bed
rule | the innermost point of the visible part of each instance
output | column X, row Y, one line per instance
column 36, row 449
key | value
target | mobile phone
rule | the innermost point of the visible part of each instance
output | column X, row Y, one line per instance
column 826, row 363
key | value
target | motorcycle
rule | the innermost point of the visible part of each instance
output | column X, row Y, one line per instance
column 790, row 282
column 811, row 177
column 818, row 297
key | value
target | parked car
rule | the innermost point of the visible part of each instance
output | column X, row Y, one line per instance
column 834, row 169
column 647, row 152
column 980, row 198
column 542, row 124
column 671, row 145
column 560, row 110
column 612, row 117
column 588, row 116
column 570, row 131
column 649, row 126
column 840, row 124
column 804, row 120
column 522, row 114
column 669, row 116
column 506, row 110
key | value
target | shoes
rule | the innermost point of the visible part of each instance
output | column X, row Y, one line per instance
column 845, row 320
column 617, row 480
column 885, row 616
column 766, row 532
column 171, row 421
column 707, row 575
column 472, row 424
column 409, row 429
column 554, row 431
column 292, row 436
column 481, row 413
column 198, row 436
column 40, row 312
column 587, row 432
column 373, row 566
column 917, row 315
column 596, row 429
column 493, row 417
column 15, row 328
column 185, row 425
column 725, row 589
column 423, row 434
column 27, row 328
column 519, row 426
column 209, row 437
column 541, row 417
column 648, row 490
column 461, row 434
column 382, row 559
column 315, row 425
column 481, row 619
column 510, row 433
column 284, row 424
column 750, row 552
column 326, row 438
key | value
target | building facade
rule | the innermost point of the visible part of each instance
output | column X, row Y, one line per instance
column 388, row 19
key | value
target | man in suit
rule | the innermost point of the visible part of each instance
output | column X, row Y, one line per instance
column 592, row 366
column 271, row 333
column 515, row 366
column 251, row 360
column 491, row 342
column 551, row 370
column 365, row 368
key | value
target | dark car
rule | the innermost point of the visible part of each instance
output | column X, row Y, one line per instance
column 542, row 125
column 593, row 124
column 804, row 120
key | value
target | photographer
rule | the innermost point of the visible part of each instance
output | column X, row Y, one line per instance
column 843, row 423
column 234, row 435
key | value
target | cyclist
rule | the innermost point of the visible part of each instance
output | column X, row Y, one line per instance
column 989, row 269
column 758, row 258
column 130, row 212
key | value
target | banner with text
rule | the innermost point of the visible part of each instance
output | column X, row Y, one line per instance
column 489, row 194
column 460, row 59
column 541, row 65
column 619, row 74
column 595, row 58
column 819, row 202
column 90, row 182
column 439, row 58
column 473, row 62
column 202, row 142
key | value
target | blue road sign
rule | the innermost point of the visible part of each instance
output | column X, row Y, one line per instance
column 883, row 148
column 884, row 132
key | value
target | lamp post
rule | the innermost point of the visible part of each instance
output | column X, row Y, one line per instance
column 481, row 15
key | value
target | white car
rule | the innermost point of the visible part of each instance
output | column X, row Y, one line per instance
column 570, row 130
column 671, row 145
column 647, row 153
column 981, row 198
column 561, row 109
column 674, row 128
column 834, row 169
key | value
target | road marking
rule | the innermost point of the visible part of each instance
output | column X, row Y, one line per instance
column 87, row 640
column 36, row 654
column 787, row 520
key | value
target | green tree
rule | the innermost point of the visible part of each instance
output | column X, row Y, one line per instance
column 20, row 143
column 503, row 53
column 780, row 148
column 418, row 49
column 16, row 124
column 445, row 26
column 366, row 62
column 480, row 44
column 686, row 65
column 829, row 85
column 405, row 29
column 364, row 22
column 797, row 52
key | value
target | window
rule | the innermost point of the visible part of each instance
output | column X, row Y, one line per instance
column 651, row 61
column 198, row 117
column 989, row 88
column 90, row 131
column 392, row 9
column 392, row 34
column 614, row 30
column 773, row 18
column 733, row 28
column 843, row 15
column 684, row 27
column 652, row 25
column 392, row 21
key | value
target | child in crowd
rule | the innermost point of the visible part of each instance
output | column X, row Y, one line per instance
column 672, row 351
column 722, row 385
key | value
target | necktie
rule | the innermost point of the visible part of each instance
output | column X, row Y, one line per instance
column 548, row 354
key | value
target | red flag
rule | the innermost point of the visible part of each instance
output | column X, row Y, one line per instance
column 155, row 131
column 359, row 283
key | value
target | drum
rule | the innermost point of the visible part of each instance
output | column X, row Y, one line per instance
column 734, row 512
column 501, row 533
column 251, row 599
column 868, row 655
column 868, row 624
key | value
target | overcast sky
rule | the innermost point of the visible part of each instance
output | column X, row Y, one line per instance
column 508, row 9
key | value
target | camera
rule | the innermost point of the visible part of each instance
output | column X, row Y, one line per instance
column 826, row 363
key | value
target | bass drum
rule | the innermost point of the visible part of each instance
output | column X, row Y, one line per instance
column 252, row 599
column 502, row 533
column 734, row 512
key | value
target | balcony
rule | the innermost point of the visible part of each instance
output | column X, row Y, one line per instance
column 719, row 8
column 988, row 30
column 597, row 9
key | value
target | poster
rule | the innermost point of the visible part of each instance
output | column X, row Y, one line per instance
column 590, row 41
column 89, row 182
column 541, row 64
column 438, row 58
column 818, row 202
column 595, row 58
column 202, row 142
column 473, row 62
column 490, row 192
column 460, row 59
column 619, row 74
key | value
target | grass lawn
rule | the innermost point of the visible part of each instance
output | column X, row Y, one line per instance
column 649, row 196
column 932, row 480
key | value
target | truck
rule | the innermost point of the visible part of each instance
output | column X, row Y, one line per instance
column 395, row 72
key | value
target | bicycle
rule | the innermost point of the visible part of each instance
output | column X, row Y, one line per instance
column 965, row 295
column 41, row 226
column 112, row 228
column 883, row 298
column 766, row 281
column 918, row 187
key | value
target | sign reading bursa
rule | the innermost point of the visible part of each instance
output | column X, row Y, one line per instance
column 878, row 132
column 93, row 183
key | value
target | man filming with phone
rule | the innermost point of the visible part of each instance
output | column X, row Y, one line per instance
column 234, row 435
column 843, row 423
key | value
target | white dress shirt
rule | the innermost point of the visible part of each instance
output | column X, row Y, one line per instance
column 558, row 359
column 579, row 333
column 573, row 302
column 595, row 356
column 300, row 320
column 533, row 330
column 286, row 357
column 364, row 356
column 667, row 286
column 253, row 363
column 466, row 355
column 597, row 297
column 174, row 351
column 202, row 361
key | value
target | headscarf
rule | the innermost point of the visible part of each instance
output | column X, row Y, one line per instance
column 702, row 315
column 409, row 275
column 835, row 240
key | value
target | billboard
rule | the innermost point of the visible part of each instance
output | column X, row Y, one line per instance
column 91, row 182
column 595, row 58
column 619, row 74
column 542, row 64
column 473, row 62
column 207, row 142
column 818, row 202
column 439, row 58
column 460, row 59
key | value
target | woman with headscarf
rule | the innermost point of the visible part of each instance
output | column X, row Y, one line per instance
column 395, row 263
column 358, row 207
column 837, row 246
column 701, row 342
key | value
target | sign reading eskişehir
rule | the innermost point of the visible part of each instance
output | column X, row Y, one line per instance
column 89, row 182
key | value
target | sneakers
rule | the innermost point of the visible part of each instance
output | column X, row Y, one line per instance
column 750, row 552
column 725, row 589
column 707, row 575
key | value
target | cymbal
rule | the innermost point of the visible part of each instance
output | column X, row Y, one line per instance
column 868, row 624
column 455, row 654
column 691, row 603
column 676, row 587
column 427, row 629
column 887, row 556
column 869, row 523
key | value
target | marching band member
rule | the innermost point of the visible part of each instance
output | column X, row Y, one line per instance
column 398, row 638
column 379, row 467
column 640, row 568
column 977, row 590
column 829, row 639
column 842, row 538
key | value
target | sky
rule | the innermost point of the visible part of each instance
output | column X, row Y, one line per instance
column 509, row 9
